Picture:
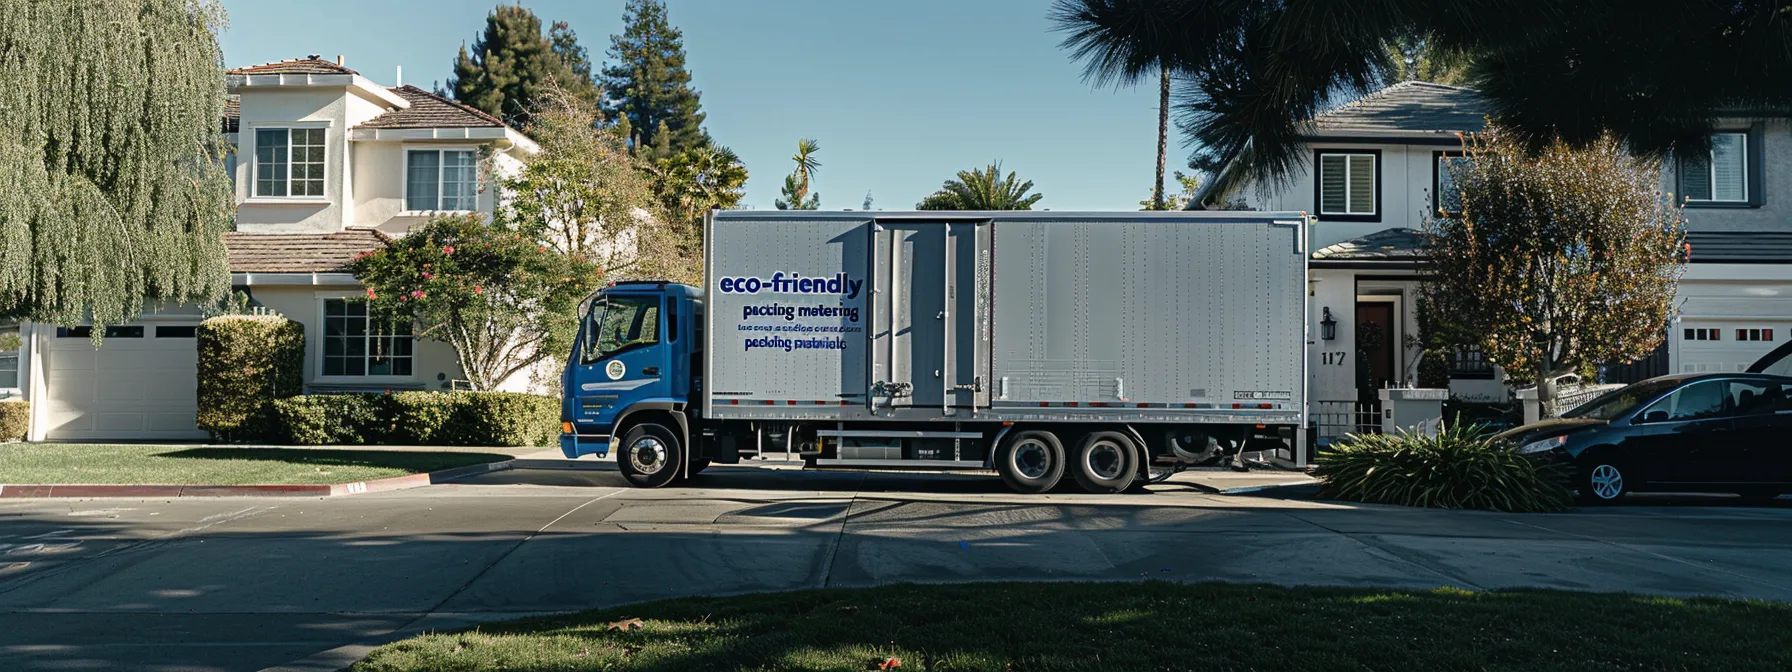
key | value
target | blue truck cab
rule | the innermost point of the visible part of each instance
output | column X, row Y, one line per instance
column 635, row 363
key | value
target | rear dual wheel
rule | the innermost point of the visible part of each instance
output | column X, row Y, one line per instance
column 1106, row 463
column 1031, row 462
column 1034, row 461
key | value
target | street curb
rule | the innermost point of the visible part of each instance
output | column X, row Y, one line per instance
column 405, row 482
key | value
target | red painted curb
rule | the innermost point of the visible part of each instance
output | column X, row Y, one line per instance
column 405, row 482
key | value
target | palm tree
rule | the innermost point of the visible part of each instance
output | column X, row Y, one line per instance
column 796, row 185
column 982, row 189
column 1120, row 52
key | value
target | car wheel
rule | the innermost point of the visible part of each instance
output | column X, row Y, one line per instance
column 1603, row 482
column 1106, row 463
column 650, row 456
column 1031, row 462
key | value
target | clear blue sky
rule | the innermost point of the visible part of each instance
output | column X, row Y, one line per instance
column 901, row 95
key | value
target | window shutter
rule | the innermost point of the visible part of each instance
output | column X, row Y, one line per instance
column 1331, row 184
column 1729, row 165
column 1362, row 185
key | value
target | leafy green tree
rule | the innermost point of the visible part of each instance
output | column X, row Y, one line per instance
column 511, row 66
column 504, row 301
column 583, row 195
column 796, row 185
column 699, row 180
column 1123, row 56
column 1559, row 260
column 1658, row 74
column 982, row 189
column 113, row 193
column 1423, row 58
column 647, row 82
column 1190, row 185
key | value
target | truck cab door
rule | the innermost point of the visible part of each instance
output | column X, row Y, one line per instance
column 621, row 359
column 930, row 315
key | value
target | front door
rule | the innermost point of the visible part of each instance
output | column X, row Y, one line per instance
column 929, row 306
column 1375, row 347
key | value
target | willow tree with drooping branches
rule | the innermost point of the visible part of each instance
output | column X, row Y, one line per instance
column 113, row 194
column 1561, row 258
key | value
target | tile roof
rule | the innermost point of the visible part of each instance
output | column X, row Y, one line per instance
column 429, row 110
column 1383, row 245
column 233, row 114
column 294, row 66
column 298, row 252
column 1740, row 247
column 1408, row 106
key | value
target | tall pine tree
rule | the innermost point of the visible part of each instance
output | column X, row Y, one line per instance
column 512, row 64
column 647, row 82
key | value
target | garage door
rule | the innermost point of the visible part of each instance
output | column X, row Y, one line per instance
column 1727, row 346
column 140, row 384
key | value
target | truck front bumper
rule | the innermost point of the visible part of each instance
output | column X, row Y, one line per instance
column 574, row 445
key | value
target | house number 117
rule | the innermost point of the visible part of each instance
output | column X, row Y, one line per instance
column 1333, row 358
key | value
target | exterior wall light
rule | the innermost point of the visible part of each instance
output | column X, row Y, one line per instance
column 1328, row 327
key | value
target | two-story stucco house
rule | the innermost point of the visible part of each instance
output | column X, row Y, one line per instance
column 328, row 165
column 1373, row 168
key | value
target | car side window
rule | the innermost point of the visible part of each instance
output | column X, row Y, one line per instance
column 1698, row 401
column 1755, row 398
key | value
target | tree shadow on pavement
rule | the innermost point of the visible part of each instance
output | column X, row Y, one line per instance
column 408, row 460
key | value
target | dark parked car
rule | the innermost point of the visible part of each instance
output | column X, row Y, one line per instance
column 1708, row 432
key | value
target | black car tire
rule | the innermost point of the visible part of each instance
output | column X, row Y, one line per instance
column 1031, row 462
column 1603, row 481
column 1106, row 463
column 659, row 460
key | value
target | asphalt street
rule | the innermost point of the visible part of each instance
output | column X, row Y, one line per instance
column 248, row 584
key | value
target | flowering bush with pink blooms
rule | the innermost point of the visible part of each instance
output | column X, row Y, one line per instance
column 501, row 299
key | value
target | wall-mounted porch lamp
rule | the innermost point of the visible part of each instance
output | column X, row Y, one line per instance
column 1328, row 327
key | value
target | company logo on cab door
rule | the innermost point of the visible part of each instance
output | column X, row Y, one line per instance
column 793, row 283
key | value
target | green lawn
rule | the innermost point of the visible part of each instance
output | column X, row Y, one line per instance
column 1124, row 627
column 65, row 464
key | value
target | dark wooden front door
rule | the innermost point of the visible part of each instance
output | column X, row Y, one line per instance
column 1375, row 347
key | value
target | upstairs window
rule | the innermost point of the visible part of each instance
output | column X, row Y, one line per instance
column 441, row 180
column 1443, row 182
column 1348, row 185
column 1727, row 174
column 289, row 162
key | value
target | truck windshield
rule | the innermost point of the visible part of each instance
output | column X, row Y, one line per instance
column 621, row 323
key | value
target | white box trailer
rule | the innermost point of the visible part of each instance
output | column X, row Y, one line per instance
column 1031, row 343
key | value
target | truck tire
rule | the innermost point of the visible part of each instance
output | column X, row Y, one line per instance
column 1105, row 463
column 650, row 456
column 1031, row 462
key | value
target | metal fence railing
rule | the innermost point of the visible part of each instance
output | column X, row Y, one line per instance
column 1334, row 419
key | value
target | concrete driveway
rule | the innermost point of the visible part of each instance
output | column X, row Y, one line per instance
column 246, row 584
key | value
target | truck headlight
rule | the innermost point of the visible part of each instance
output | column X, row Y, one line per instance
column 1543, row 445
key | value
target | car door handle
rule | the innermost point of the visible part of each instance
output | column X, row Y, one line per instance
column 650, row 371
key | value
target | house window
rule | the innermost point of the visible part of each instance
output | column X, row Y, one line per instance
column 1443, row 182
column 11, row 344
column 289, row 162
column 1722, row 175
column 356, row 345
column 441, row 179
column 1704, row 334
column 1348, row 185
column 1469, row 363
column 1754, row 334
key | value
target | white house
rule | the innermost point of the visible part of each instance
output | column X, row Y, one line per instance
column 328, row 165
column 1380, row 162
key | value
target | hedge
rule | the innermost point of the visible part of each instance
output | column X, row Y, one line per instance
column 245, row 361
column 412, row 418
column 15, row 418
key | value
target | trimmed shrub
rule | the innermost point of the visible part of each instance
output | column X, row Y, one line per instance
column 1462, row 467
column 15, row 419
column 414, row 418
column 245, row 361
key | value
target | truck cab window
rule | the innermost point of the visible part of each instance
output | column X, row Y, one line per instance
column 626, row 322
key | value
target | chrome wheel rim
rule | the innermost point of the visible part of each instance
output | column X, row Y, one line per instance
column 647, row 455
column 1606, row 481
column 1104, row 459
column 1032, row 459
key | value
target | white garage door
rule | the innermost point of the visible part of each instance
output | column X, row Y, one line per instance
column 1727, row 346
column 140, row 384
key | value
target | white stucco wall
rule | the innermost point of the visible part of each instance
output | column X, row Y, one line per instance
column 304, row 304
column 286, row 108
column 1406, row 175
column 379, row 183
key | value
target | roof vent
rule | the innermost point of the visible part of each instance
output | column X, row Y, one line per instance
column 339, row 59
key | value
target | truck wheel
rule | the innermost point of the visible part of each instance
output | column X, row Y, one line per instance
column 1105, row 463
column 1031, row 462
column 650, row 456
